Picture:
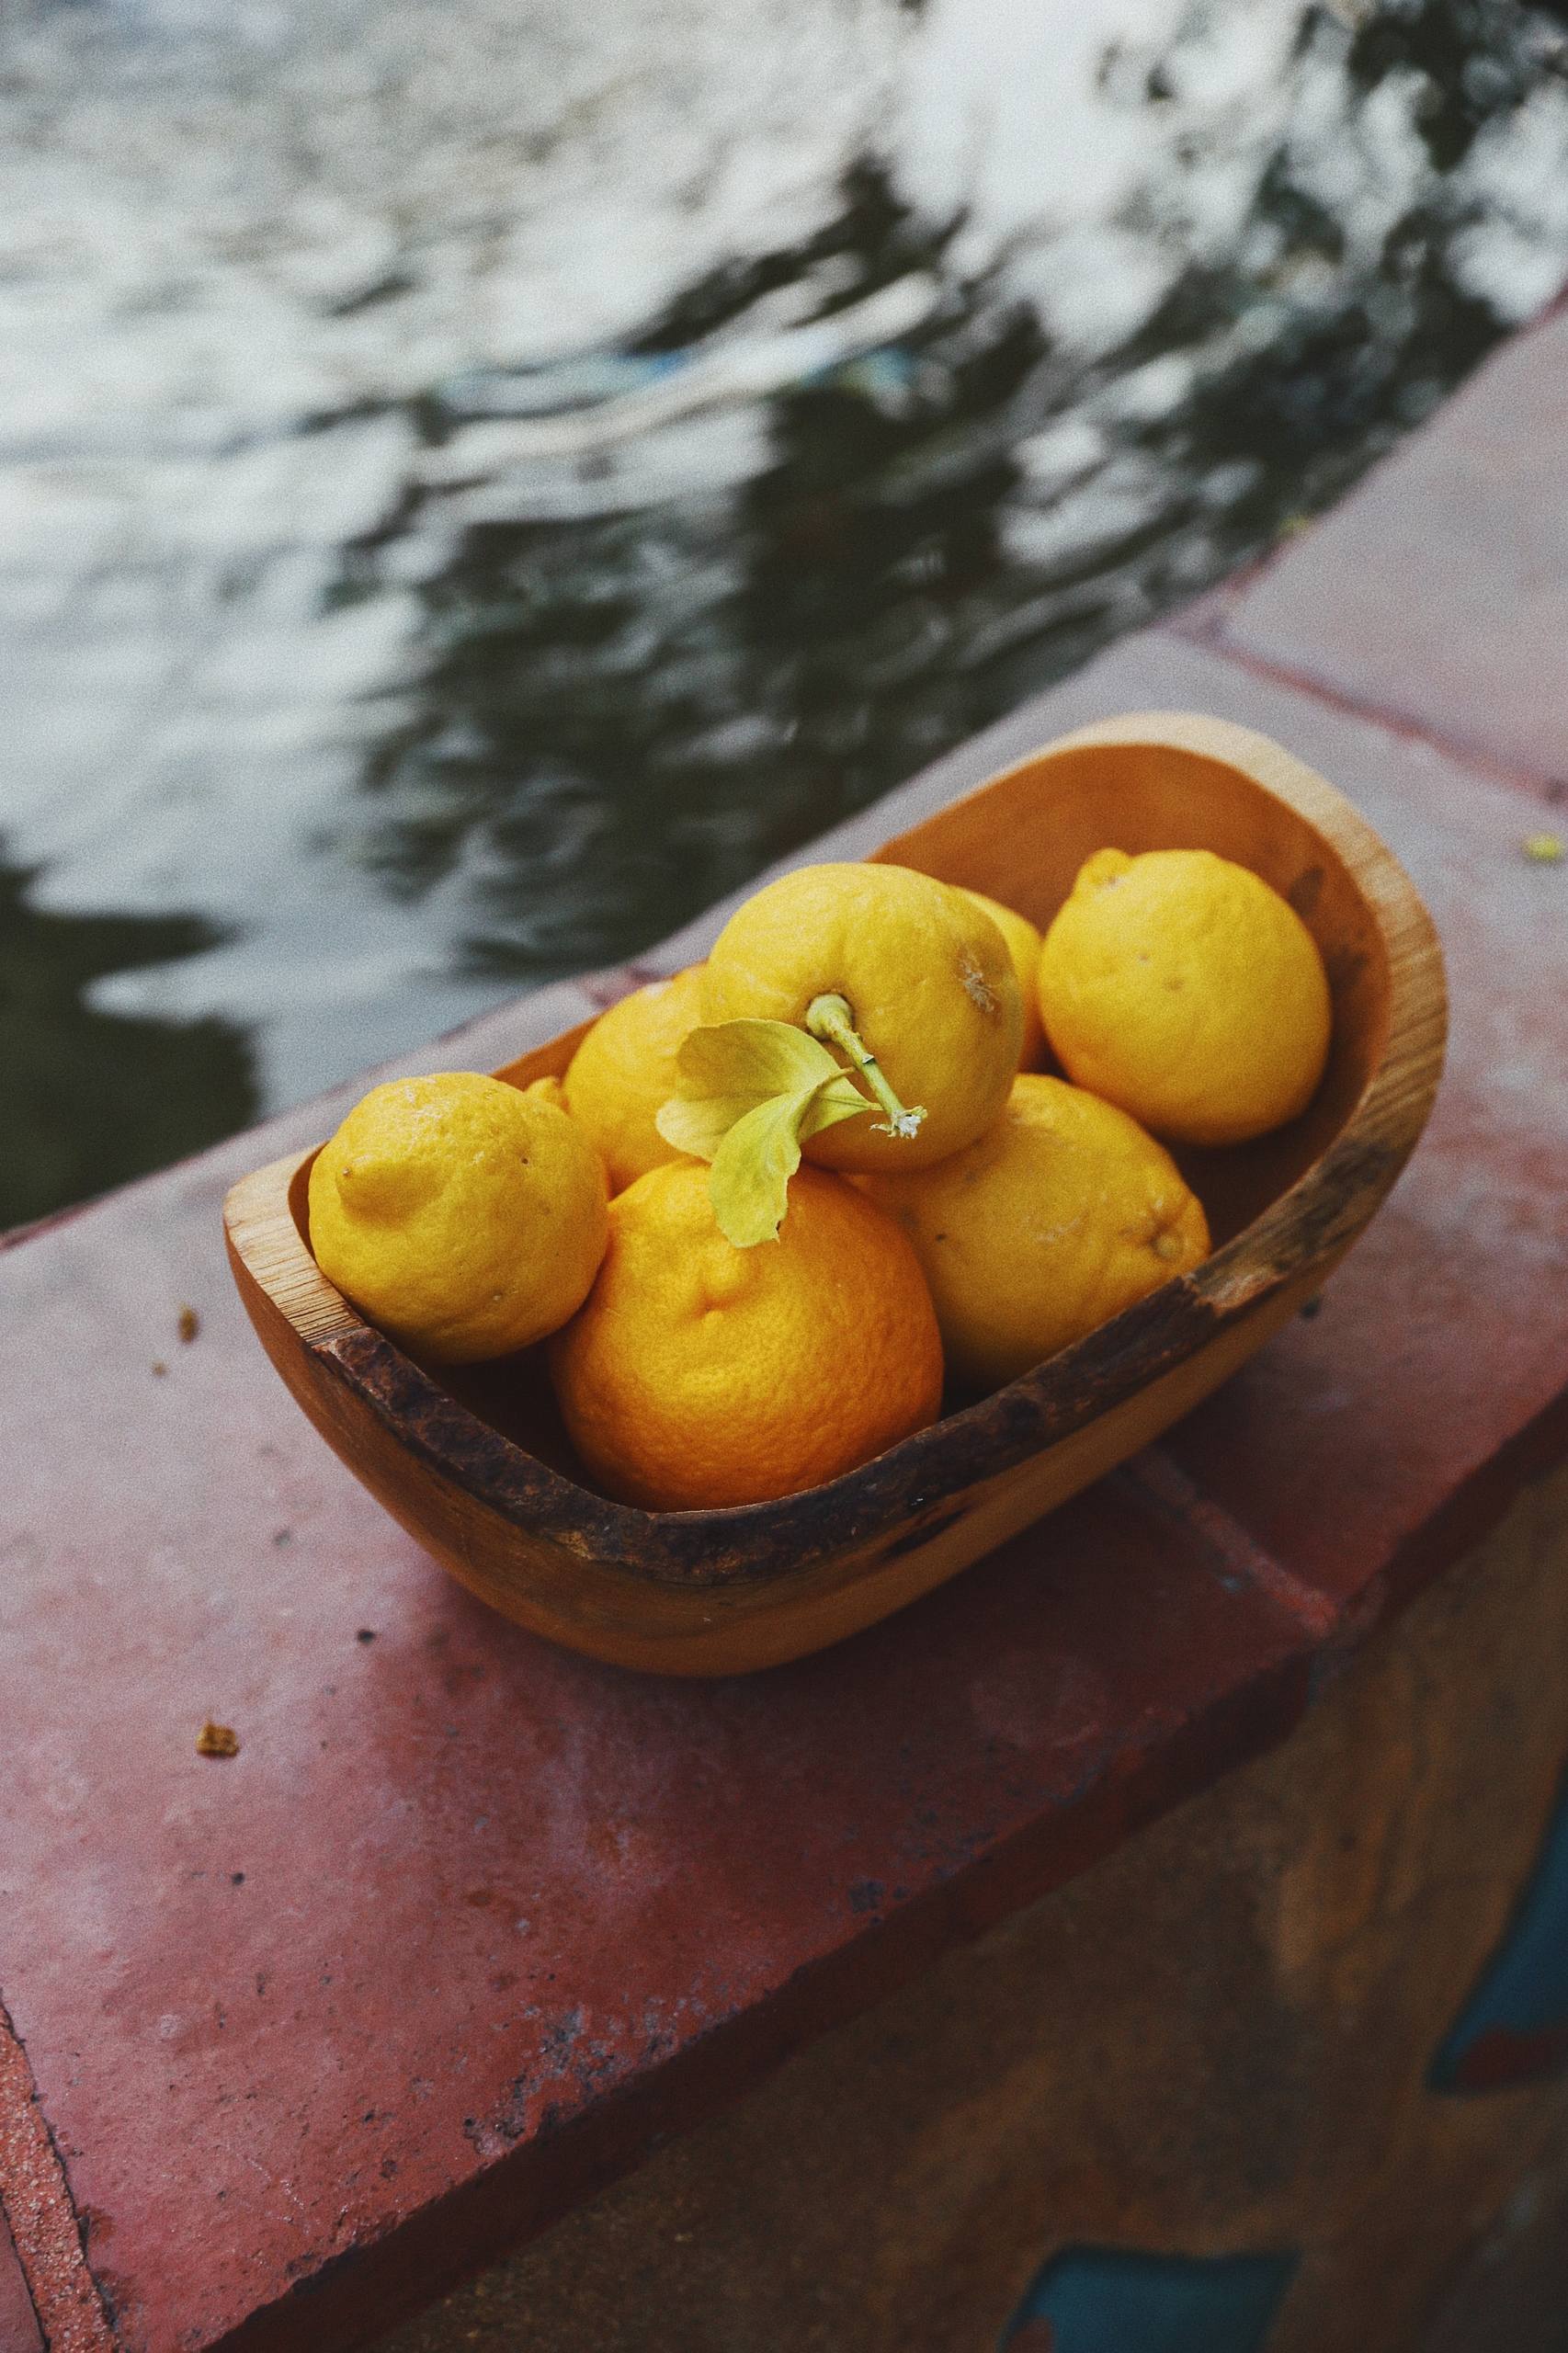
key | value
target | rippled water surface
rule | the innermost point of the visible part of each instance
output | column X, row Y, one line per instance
column 480, row 477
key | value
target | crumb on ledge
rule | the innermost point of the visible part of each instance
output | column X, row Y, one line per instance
column 1543, row 849
column 189, row 1323
column 217, row 1740
column 159, row 1367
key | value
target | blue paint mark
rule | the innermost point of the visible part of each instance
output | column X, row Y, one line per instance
column 1514, row 2028
column 1109, row 2300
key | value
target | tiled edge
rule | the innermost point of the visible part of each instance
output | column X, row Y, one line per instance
column 1207, row 627
column 355, row 2297
column 1433, row 599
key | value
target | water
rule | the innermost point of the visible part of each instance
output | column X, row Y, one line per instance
column 479, row 478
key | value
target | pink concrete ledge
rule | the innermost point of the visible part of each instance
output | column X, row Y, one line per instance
column 293, row 2040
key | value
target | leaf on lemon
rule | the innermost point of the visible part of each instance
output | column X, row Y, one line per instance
column 750, row 1092
column 750, row 1183
column 728, row 1069
column 833, row 1101
column 749, row 1186
column 752, row 1059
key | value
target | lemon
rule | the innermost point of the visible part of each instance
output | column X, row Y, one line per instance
column 700, row 1375
column 893, row 970
column 1059, row 1217
column 1182, row 987
column 625, row 1068
column 1023, row 945
column 463, row 1216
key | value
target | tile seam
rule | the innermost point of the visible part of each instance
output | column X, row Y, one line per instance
column 1211, row 635
column 46, row 2228
column 1158, row 1483
column 1121, row 1791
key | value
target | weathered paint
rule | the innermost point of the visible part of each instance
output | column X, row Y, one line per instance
column 1121, row 2299
column 1514, row 2028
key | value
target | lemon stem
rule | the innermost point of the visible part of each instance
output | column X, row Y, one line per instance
column 830, row 1018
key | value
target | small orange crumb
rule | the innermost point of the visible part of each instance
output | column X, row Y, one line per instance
column 189, row 1323
column 217, row 1740
column 1543, row 849
column 159, row 1367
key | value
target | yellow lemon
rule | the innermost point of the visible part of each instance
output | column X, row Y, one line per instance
column 1060, row 1216
column 1182, row 987
column 625, row 1068
column 700, row 1375
column 1023, row 945
column 887, row 964
column 465, row 1217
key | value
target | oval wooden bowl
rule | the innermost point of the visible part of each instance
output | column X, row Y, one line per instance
column 476, row 1464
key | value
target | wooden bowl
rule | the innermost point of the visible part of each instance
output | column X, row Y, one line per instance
column 476, row 1464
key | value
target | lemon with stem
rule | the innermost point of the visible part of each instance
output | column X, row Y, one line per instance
column 904, row 979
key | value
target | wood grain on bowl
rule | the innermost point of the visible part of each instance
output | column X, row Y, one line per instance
column 476, row 1466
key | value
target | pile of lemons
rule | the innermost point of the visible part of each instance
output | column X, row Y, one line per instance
column 777, row 1204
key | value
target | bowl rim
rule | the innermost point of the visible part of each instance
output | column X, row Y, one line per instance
column 911, row 1491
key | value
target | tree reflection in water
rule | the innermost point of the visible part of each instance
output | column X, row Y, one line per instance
column 627, row 707
column 92, row 1098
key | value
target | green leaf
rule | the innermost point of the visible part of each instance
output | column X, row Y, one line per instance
column 732, row 1067
column 754, row 1058
column 750, row 1183
column 750, row 1092
column 697, row 1126
column 835, row 1099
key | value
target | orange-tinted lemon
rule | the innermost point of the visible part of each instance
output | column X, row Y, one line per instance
column 625, row 1068
column 700, row 1375
column 930, row 986
column 1183, row 988
column 465, row 1217
column 1023, row 945
column 1060, row 1216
